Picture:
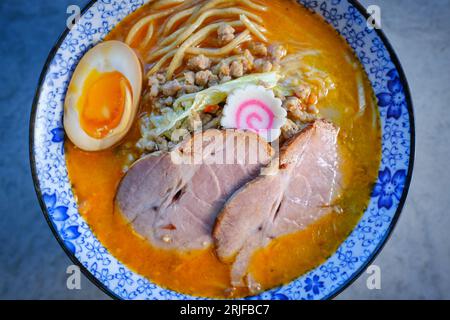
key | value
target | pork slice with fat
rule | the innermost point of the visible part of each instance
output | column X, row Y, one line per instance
column 298, row 194
column 172, row 199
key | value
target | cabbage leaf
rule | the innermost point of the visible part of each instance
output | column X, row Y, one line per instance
column 197, row 102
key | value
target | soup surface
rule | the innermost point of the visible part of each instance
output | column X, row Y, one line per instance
column 95, row 176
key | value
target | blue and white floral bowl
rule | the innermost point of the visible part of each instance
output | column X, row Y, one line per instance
column 353, row 256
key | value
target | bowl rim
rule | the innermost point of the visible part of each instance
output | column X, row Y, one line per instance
column 395, row 60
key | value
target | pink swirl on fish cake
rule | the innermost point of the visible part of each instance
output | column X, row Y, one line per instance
column 260, row 110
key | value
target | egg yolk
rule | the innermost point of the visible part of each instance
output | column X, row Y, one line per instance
column 102, row 102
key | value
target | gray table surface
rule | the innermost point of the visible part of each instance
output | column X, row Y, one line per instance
column 414, row 263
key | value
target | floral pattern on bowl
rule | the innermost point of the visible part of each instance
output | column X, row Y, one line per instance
column 388, row 196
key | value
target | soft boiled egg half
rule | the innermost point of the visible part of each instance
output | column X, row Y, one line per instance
column 103, row 96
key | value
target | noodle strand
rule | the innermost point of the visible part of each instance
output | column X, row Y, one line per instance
column 243, row 37
column 143, row 22
column 177, row 17
column 161, row 62
column 172, row 37
column 248, row 3
column 148, row 36
column 253, row 29
column 166, row 3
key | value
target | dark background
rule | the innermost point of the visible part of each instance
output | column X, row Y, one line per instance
column 414, row 263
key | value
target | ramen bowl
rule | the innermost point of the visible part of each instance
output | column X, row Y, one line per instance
column 389, row 193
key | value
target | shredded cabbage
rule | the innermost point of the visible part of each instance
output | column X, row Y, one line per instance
column 196, row 102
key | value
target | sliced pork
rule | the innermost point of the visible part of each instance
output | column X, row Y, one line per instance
column 172, row 199
column 299, row 193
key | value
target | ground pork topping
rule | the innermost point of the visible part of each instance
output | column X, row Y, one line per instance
column 292, row 104
column 213, row 80
column 237, row 69
column 258, row 49
column 222, row 69
column 171, row 88
column 199, row 63
column 299, row 111
column 248, row 59
column 225, row 33
column 154, row 90
column 189, row 78
column 202, row 77
column 262, row 65
column 303, row 92
column 277, row 52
